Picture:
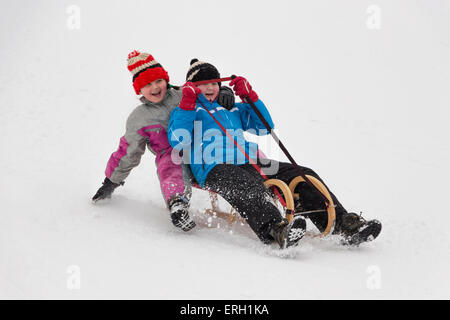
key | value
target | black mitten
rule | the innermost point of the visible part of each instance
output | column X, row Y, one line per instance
column 226, row 97
column 106, row 190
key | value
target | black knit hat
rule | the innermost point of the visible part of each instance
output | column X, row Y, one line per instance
column 200, row 70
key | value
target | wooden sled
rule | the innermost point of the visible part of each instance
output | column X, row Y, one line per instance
column 289, row 196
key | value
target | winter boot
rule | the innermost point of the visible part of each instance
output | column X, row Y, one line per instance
column 179, row 213
column 355, row 229
column 289, row 234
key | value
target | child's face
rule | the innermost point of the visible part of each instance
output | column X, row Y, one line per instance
column 155, row 91
column 210, row 90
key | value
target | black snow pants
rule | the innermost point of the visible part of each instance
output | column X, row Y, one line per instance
column 243, row 187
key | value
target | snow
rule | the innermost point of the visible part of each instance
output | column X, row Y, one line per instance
column 366, row 108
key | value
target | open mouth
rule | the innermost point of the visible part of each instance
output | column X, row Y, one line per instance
column 156, row 94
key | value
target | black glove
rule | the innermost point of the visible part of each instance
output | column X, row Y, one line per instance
column 226, row 98
column 106, row 190
column 180, row 215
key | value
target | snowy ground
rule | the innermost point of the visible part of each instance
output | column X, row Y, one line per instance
column 366, row 107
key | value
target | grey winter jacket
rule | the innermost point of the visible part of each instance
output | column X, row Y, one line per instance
column 147, row 126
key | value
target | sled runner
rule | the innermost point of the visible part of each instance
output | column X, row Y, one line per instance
column 287, row 202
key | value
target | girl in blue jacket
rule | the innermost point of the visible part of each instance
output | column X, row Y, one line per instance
column 218, row 163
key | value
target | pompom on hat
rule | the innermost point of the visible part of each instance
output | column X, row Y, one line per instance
column 145, row 69
column 199, row 70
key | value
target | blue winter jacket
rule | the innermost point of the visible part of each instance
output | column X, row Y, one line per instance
column 204, row 143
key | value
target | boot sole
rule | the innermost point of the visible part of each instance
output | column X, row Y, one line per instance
column 367, row 234
column 294, row 232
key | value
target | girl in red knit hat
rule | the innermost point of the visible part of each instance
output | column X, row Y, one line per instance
column 146, row 127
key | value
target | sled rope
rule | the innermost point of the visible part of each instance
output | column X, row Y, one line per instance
column 272, row 133
column 252, row 162
column 286, row 152
column 213, row 80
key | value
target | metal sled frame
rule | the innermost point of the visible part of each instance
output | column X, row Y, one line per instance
column 289, row 196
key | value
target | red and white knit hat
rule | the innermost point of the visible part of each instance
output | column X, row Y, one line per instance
column 145, row 69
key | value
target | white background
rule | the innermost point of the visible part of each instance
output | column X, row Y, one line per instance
column 366, row 108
